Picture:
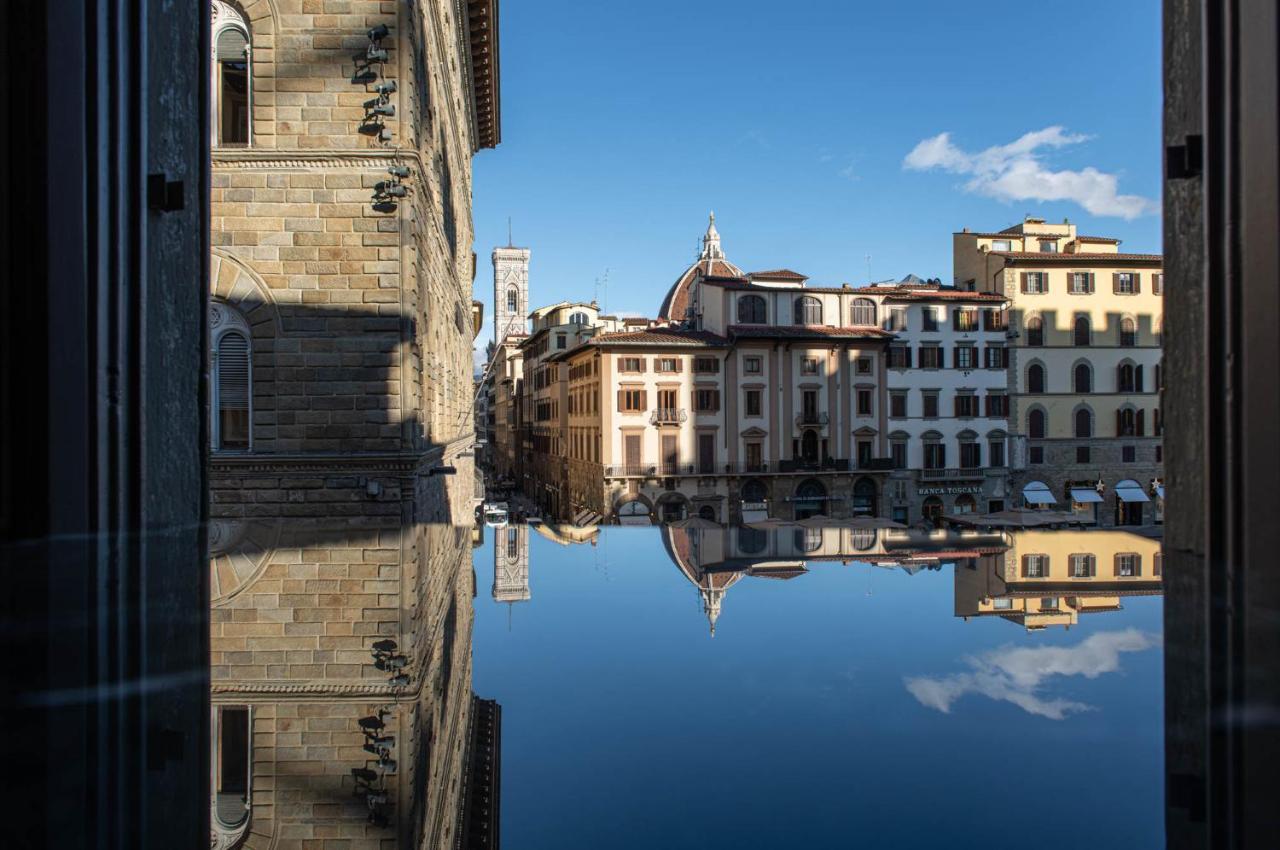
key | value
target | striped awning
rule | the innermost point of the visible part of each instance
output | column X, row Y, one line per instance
column 1084, row 495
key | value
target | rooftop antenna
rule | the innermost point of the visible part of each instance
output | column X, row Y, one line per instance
column 868, row 259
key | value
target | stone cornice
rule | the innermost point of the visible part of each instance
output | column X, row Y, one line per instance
column 404, row 463
column 274, row 159
column 379, row 691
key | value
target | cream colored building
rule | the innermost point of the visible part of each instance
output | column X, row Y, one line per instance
column 1049, row 578
column 1084, row 364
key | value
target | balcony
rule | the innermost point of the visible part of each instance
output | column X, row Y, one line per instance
column 668, row 416
column 830, row 464
column 950, row 474
column 812, row 418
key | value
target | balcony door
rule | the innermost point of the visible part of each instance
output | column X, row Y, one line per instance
column 670, row 453
column 631, row 451
column 706, row 453
column 809, row 446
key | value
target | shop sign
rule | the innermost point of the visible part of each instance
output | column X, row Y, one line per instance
column 952, row 490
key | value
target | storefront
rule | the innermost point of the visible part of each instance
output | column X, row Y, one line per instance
column 1085, row 499
column 1130, row 500
column 1036, row 495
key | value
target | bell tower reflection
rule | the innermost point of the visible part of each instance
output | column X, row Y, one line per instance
column 511, row 564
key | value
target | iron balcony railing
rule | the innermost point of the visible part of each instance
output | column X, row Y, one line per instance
column 831, row 464
column 668, row 416
column 812, row 418
column 942, row 474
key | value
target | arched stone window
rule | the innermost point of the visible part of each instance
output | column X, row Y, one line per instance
column 1129, row 422
column 752, row 541
column 751, row 310
column 1081, row 332
column 1037, row 424
column 864, row 311
column 1035, row 331
column 810, row 498
column 1035, row 378
column 231, row 384
column 578, row 319
column 864, row 497
column 1082, row 378
column 1084, row 423
column 1128, row 333
column 232, row 86
column 966, row 504
column 808, row 310
column 1126, row 378
column 232, row 742
column 754, row 491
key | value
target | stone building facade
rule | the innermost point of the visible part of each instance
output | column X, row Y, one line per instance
column 1085, row 323
column 341, row 332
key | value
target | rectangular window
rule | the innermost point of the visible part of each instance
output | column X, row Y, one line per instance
column 1082, row 454
column 997, row 405
column 751, row 365
column 561, row 341
column 753, row 402
column 1157, row 284
column 1128, row 454
column 631, row 401
column 1126, row 283
column 965, row 319
column 667, row 364
column 706, row 453
column 1035, row 566
column 930, row 404
column 1035, row 283
column 863, row 366
column 966, row 357
column 864, row 454
column 899, row 357
column 1002, row 603
column 1082, row 566
column 1001, row 245
column 1128, row 565
column 898, row 404
column 1048, row 246
column 1080, row 283
column 966, row 406
column 995, row 357
column 930, row 357
column 935, row 456
column 1035, row 454
column 898, row 451
column 706, row 400
column 970, row 455
column 864, row 402
column 809, row 366
column 897, row 320
column 706, row 365
column 995, row 453
column 755, row 454
column 995, row 320
column 630, row 364
column 930, row 316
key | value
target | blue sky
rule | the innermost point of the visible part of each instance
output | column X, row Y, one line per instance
column 624, row 123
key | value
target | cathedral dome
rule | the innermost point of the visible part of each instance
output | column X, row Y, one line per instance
column 710, row 263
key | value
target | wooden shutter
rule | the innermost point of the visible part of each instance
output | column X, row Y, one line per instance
column 1025, row 562
column 1115, row 283
column 679, row 363
column 231, row 45
column 1137, row 282
column 1023, row 280
column 233, row 372
column 644, row 399
column 1119, row 423
column 1137, row 566
column 1115, row 566
column 1137, row 379
column 1139, row 424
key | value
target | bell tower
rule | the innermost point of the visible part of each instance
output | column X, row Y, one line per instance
column 510, row 291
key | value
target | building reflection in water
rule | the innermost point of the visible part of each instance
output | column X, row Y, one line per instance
column 1036, row 578
column 341, row 640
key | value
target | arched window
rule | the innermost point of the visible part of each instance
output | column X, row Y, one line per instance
column 864, row 497
column 232, row 379
column 1082, row 378
column 808, row 310
column 1081, row 332
column 231, row 84
column 1037, row 424
column 751, row 310
column 752, row 541
column 864, row 311
column 754, row 491
column 232, row 758
column 1128, row 333
column 810, row 499
column 966, row 504
column 1125, row 382
column 1035, row 331
column 1084, row 423
column 513, row 300
column 578, row 319
column 807, row 540
column 1127, row 422
column 1035, row 378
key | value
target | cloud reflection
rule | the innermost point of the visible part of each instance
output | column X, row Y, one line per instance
column 1018, row 674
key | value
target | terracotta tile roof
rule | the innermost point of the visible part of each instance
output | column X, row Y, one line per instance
column 1106, row 239
column 659, row 336
column 777, row 274
column 1080, row 259
column 916, row 293
column 806, row 332
column 1001, row 235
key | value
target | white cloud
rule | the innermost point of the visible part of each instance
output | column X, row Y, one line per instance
column 1018, row 674
column 1017, row 172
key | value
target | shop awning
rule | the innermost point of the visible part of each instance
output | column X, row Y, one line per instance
column 1131, row 494
column 754, row 516
column 1084, row 495
column 1037, row 493
column 1160, row 491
